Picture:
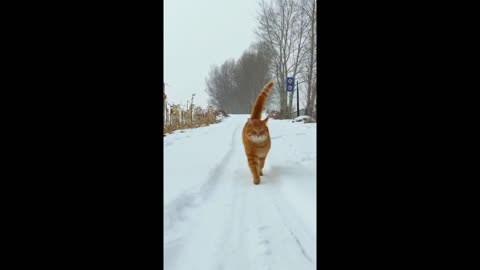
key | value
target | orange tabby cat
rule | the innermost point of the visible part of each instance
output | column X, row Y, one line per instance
column 255, row 136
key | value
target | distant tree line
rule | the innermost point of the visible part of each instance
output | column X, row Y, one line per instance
column 234, row 85
column 286, row 46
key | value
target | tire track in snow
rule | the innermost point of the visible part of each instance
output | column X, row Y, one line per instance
column 233, row 224
column 290, row 220
column 174, row 211
column 191, row 206
column 272, row 234
column 260, row 238
column 214, row 176
column 300, row 245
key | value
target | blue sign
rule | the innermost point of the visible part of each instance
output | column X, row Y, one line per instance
column 290, row 84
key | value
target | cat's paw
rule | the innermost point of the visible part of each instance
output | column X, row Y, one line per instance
column 261, row 173
column 256, row 181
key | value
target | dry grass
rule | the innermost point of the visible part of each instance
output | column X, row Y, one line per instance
column 176, row 118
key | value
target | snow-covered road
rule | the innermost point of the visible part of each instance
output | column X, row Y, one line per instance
column 216, row 218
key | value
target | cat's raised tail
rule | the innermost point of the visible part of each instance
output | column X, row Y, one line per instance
column 260, row 101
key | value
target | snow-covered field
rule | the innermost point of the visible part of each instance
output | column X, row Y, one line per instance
column 216, row 218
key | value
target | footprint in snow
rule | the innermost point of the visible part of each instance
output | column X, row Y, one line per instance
column 263, row 245
column 261, row 228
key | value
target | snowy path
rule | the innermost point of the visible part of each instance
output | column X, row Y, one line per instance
column 215, row 218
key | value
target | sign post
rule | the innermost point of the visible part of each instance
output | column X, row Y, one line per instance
column 298, row 106
column 290, row 88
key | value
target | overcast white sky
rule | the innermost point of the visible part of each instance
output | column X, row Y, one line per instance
column 199, row 34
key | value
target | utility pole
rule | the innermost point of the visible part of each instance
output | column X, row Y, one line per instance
column 298, row 106
column 191, row 109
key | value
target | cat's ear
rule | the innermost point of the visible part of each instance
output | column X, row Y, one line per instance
column 265, row 120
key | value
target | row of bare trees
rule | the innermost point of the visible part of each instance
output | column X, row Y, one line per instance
column 286, row 47
column 234, row 85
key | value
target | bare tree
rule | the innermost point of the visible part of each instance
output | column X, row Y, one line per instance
column 282, row 26
column 309, row 10
column 221, row 84
column 234, row 86
column 252, row 73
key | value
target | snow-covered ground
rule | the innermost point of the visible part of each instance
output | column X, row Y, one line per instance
column 217, row 219
column 304, row 118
